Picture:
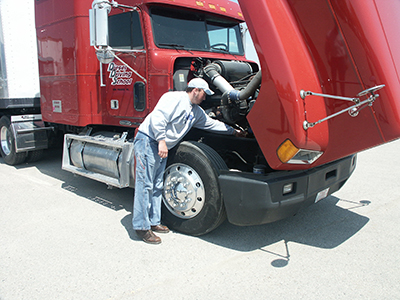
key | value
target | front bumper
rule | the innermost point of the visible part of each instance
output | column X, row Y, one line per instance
column 253, row 199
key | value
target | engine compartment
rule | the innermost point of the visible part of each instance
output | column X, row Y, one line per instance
column 236, row 86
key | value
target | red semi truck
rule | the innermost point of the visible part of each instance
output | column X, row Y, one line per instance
column 326, row 88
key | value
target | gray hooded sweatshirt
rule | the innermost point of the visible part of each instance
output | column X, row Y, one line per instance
column 173, row 117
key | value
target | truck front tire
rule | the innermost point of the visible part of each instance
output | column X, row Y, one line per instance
column 192, row 200
column 7, row 144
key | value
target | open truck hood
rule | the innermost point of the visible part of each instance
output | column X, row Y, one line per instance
column 335, row 47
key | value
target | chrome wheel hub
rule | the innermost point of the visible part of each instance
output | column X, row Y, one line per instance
column 184, row 193
column 5, row 141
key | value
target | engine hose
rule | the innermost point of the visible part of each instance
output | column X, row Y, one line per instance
column 213, row 72
column 230, row 95
column 237, row 96
column 227, row 102
column 251, row 87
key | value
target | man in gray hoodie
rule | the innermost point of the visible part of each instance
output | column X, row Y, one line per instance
column 172, row 118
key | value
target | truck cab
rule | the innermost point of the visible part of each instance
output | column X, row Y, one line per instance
column 324, row 89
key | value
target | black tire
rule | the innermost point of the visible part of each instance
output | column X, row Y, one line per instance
column 7, row 144
column 192, row 199
column 34, row 155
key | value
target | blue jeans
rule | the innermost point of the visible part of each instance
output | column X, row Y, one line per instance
column 149, row 174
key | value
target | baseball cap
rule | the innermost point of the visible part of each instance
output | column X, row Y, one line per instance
column 200, row 84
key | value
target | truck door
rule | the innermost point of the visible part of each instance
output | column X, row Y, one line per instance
column 125, row 75
column 310, row 51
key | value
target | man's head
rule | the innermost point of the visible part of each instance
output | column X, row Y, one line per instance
column 200, row 84
column 197, row 90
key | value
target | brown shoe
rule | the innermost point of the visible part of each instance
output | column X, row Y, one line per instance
column 148, row 236
column 160, row 228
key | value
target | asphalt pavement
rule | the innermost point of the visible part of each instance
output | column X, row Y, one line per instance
column 68, row 237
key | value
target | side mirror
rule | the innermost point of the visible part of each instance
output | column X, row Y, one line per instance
column 98, row 19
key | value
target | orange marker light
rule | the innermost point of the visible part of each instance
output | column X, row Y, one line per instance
column 286, row 151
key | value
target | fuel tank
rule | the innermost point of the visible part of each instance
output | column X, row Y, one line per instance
column 316, row 59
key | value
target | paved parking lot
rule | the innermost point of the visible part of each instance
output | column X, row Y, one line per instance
column 67, row 237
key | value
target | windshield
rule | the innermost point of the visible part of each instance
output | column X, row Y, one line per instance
column 194, row 31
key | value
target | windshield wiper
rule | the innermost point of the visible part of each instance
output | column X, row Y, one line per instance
column 175, row 46
column 172, row 45
column 220, row 48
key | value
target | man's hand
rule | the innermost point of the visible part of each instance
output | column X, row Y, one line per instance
column 162, row 149
column 240, row 133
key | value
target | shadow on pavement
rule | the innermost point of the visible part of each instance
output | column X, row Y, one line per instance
column 323, row 225
column 92, row 190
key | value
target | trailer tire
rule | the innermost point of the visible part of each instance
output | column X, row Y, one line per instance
column 7, row 144
column 35, row 155
column 192, row 199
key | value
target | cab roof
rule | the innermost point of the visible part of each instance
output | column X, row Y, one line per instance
column 221, row 7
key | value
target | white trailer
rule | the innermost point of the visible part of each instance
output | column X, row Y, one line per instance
column 22, row 134
column 19, row 74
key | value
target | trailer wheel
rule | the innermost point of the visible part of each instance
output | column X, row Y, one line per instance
column 7, row 144
column 192, row 200
column 34, row 156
